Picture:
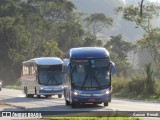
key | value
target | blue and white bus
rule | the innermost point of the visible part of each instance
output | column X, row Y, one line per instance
column 88, row 76
column 42, row 76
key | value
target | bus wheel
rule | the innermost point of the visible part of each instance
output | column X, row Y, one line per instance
column 48, row 96
column 30, row 95
column 105, row 103
column 73, row 105
column 67, row 102
column 95, row 103
column 38, row 96
column 59, row 96
column 0, row 88
column 35, row 91
column 26, row 92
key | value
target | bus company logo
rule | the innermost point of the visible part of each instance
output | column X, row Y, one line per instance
column 6, row 114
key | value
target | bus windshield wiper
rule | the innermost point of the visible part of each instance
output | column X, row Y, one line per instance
column 49, row 79
column 97, row 81
column 84, row 80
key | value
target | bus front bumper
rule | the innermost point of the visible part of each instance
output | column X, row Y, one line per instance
column 91, row 98
column 50, row 92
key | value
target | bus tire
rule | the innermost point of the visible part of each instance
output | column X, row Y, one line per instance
column 59, row 96
column 0, row 88
column 48, row 96
column 31, row 95
column 35, row 91
column 67, row 102
column 26, row 92
column 73, row 105
column 39, row 96
column 95, row 103
column 105, row 103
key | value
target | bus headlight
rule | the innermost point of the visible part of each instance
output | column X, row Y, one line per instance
column 107, row 92
column 75, row 93
column 41, row 88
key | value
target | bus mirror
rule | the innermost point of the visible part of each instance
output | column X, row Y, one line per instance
column 68, row 67
column 65, row 61
column 112, row 67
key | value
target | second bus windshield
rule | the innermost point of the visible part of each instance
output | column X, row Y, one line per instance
column 50, row 75
column 90, row 73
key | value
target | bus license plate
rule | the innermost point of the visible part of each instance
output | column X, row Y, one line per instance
column 91, row 100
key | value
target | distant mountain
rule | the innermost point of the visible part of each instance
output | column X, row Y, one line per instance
column 129, row 30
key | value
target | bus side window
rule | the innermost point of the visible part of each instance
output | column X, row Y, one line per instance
column 25, row 70
column 30, row 70
column 36, row 74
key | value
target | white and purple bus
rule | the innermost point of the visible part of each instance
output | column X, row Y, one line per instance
column 88, row 76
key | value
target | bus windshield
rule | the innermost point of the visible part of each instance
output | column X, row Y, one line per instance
column 90, row 74
column 50, row 75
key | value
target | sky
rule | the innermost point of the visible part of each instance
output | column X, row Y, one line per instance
column 154, row 0
column 120, row 26
column 146, row 0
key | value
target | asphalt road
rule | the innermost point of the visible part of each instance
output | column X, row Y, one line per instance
column 17, row 101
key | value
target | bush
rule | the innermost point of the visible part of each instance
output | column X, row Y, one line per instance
column 150, row 83
column 157, row 88
column 118, row 83
column 16, row 85
column 136, row 85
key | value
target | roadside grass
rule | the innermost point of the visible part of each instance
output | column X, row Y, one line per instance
column 134, row 88
column 94, row 115
column 13, row 87
column 92, row 118
column 4, row 104
column 17, row 86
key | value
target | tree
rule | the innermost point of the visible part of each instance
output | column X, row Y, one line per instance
column 149, row 80
column 150, row 40
column 119, row 49
column 131, row 13
column 99, row 43
column 10, row 17
column 70, row 35
column 96, row 22
column 30, row 29
column 89, row 40
column 152, row 44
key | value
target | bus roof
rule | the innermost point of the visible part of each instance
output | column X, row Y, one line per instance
column 88, row 52
column 45, row 61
